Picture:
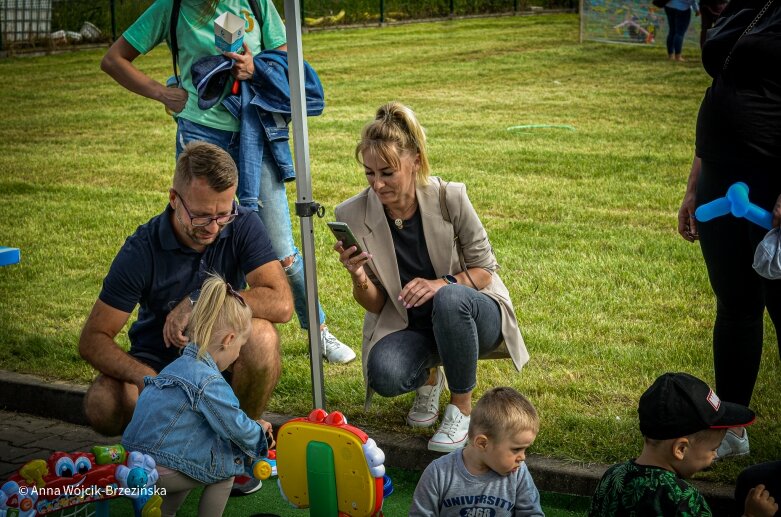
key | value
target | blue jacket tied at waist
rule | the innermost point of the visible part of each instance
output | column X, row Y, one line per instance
column 263, row 106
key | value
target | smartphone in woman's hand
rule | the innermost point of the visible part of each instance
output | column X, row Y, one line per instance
column 343, row 233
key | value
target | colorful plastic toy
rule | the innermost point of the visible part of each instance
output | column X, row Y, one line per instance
column 265, row 468
column 139, row 478
column 736, row 203
column 9, row 256
column 106, row 454
column 330, row 467
column 66, row 480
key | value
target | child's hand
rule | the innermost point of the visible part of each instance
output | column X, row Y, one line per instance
column 268, row 431
column 176, row 323
column 760, row 503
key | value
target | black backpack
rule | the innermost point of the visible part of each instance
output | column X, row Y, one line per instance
column 175, row 20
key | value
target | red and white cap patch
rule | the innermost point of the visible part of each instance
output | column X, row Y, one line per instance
column 714, row 400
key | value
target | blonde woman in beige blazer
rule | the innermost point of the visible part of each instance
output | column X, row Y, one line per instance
column 422, row 308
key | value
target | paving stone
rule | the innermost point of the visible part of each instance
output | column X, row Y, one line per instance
column 58, row 443
column 11, row 453
column 6, row 469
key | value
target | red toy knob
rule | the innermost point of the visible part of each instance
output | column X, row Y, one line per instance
column 317, row 415
column 335, row 418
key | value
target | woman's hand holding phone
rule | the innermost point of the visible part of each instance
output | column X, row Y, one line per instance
column 352, row 262
column 350, row 253
column 353, row 258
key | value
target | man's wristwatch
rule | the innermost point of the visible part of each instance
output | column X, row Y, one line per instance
column 449, row 279
column 194, row 297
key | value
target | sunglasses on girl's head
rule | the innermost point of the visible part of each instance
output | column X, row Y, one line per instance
column 232, row 292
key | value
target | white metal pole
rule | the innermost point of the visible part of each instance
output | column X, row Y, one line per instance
column 305, row 205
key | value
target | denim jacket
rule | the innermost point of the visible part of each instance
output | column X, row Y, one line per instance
column 263, row 107
column 188, row 419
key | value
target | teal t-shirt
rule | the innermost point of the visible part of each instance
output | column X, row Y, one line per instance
column 196, row 39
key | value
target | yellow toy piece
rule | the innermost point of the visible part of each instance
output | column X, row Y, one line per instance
column 262, row 470
column 34, row 471
column 359, row 494
column 152, row 507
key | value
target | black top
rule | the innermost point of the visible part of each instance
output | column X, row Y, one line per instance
column 414, row 262
column 740, row 116
column 155, row 271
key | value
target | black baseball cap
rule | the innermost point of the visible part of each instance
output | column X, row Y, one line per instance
column 679, row 404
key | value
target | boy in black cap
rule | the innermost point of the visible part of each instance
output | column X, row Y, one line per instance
column 683, row 422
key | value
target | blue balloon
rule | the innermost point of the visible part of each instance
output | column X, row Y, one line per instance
column 736, row 203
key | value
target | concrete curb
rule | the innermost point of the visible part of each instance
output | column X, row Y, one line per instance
column 63, row 401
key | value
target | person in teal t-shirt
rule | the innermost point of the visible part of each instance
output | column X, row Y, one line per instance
column 195, row 39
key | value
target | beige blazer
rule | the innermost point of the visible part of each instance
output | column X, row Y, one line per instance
column 365, row 215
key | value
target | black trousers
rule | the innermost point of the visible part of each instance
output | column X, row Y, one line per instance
column 728, row 245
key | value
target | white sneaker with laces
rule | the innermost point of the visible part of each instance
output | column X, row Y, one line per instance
column 452, row 432
column 334, row 350
column 733, row 445
column 425, row 409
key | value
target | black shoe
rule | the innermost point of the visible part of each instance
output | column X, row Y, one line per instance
column 245, row 485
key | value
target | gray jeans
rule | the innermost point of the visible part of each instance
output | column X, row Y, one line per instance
column 467, row 324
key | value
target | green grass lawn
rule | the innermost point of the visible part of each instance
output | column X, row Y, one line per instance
column 583, row 222
column 269, row 500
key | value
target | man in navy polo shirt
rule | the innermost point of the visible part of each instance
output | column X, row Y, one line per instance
column 161, row 267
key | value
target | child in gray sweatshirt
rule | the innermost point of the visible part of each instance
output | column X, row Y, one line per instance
column 488, row 476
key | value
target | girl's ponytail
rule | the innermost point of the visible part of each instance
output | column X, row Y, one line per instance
column 218, row 309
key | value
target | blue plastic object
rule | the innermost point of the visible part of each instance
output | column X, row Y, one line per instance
column 736, row 203
column 9, row 256
column 387, row 486
column 137, row 478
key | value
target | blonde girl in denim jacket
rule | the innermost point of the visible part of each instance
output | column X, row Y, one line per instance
column 188, row 418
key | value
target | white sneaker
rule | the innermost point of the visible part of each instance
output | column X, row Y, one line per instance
column 425, row 409
column 452, row 432
column 334, row 350
column 733, row 445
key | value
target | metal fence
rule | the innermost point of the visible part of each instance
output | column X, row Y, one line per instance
column 52, row 24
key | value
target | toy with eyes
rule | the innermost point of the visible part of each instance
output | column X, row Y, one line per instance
column 64, row 480
column 66, row 465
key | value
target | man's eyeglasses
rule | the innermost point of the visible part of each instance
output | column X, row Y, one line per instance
column 206, row 220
